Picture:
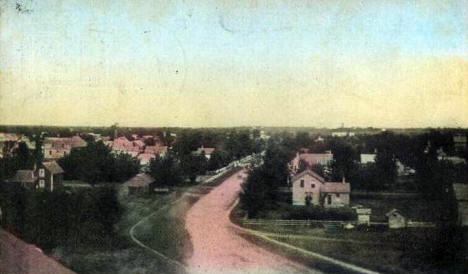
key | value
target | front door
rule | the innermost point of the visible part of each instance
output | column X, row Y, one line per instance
column 308, row 198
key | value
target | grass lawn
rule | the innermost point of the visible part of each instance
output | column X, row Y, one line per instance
column 125, row 257
column 416, row 250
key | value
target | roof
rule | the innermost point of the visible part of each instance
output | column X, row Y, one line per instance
column 336, row 187
column 140, row 180
column 461, row 192
column 316, row 158
column 391, row 212
column 77, row 141
column 53, row 167
column 311, row 173
column 156, row 149
column 367, row 158
column 8, row 137
column 206, row 150
column 139, row 143
column 24, row 175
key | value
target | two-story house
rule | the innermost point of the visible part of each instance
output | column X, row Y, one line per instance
column 309, row 188
column 48, row 176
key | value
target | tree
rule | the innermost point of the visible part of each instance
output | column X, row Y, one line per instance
column 95, row 163
column 260, row 192
column 344, row 160
column 193, row 165
column 166, row 171
column 217, row 160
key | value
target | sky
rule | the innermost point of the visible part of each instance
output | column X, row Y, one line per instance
column 234, row 63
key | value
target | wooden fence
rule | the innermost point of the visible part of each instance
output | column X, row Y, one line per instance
column 263, row 222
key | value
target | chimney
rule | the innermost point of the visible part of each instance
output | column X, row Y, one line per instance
column 344, row 181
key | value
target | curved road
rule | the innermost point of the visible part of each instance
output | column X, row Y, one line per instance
column 217, row 248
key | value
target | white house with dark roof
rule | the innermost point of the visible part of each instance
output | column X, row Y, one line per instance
column 309, row 188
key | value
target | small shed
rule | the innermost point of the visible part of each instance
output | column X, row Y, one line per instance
column 396, row 219
column 140, row 185
column 461, row 195
column 363, row 214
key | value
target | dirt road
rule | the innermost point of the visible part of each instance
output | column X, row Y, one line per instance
column 216, row 246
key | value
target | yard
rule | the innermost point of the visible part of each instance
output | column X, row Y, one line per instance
column 418, row 250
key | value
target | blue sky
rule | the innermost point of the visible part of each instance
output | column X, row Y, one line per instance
column 196, row 63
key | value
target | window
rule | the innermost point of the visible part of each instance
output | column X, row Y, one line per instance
column 50, row 152
column 41, row 172
column 41, row 184
column 329, row 199
column 302, row 183
column 312, row 185
column 337, row 195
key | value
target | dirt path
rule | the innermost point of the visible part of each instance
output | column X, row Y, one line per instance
column 216, row 246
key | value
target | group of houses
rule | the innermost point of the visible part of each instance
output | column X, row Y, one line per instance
column 147, row 147
column 55, row 148
column 143, row 148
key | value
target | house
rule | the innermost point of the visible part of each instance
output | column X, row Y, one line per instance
column 156, row 150
column 367, row 158
column 309, row 188
column 50, row 176
column 141, row 184
column 363, row 214
column 25, row 177
column 396, row 219
column 403, row 170
column 311, row 159
column 342, row 134
column 57, row 147
column 461, row 195
column 459, row 141
column 207, row 151
column 139, row 144
column 145, row 158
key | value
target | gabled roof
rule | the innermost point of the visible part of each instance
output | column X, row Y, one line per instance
column 140, row 180
column 77, row 141
column 53, row 167
column 206, row 150
column 311, row 173
column 335, row 187
column 315, row 158
column 461, row 192
column 23, row 175
column 393, row 211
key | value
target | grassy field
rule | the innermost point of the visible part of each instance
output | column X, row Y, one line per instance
column 416, row 250
column 125, row 257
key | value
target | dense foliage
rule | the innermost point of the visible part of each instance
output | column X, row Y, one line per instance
column 95, row 163
column 61, row 219
column 166, row 171
column 260, row 192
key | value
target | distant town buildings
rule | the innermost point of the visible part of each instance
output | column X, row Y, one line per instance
column 58, row 147
column 459, row 142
